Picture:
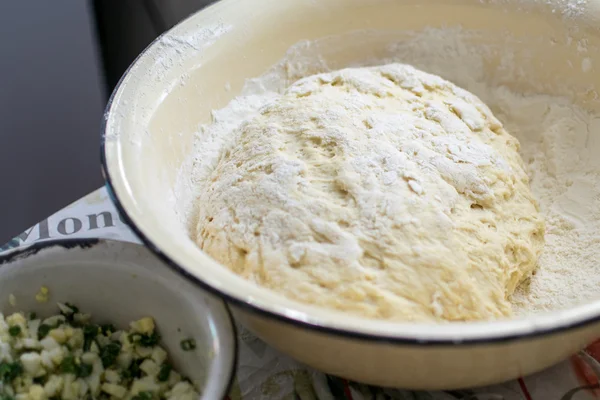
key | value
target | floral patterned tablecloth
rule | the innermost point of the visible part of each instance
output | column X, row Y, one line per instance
column 263, row 373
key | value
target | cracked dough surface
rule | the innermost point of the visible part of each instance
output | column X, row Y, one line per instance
column 384, row 191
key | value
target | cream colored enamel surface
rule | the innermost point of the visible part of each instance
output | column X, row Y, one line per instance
column 418, row 367
column 184, row 75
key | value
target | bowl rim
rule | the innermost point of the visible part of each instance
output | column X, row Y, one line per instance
column 530, row 327
column 32, row 249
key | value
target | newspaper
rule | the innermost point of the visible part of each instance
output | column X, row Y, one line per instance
column 264, row 373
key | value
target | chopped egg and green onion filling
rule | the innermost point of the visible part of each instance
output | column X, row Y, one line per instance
column 66, row 357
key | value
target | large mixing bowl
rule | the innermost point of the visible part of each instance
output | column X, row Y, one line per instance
column 203, row 62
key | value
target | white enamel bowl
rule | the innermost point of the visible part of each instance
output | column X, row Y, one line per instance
column 202, row 63
column 119, row 283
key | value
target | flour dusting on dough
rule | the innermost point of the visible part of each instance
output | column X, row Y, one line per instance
column 382, row 191
column 558, row 144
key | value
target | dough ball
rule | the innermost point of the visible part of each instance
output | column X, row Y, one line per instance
column 383, row 192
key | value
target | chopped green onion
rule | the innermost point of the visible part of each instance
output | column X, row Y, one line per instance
column 70, row 312
column 73, row 308
column 108, row 329
column 134, row 371
column 145, row 339
column 99, row 339
column 165, row 371
column 85, row 370
column 14, row 330
column 43, row 331
column 69, row 366
column 109, row 353
column 40, row 380
column 9, row 371
column 143, row 396
column 188, row 344
column 89, row 334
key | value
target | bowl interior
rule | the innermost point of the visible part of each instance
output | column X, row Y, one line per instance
column 203, row 63
column 119, row 283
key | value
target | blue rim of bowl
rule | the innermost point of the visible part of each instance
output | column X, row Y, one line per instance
column 34, row 248
column 348, row 334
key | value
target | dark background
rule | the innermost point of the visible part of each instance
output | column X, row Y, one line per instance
column 59, row 62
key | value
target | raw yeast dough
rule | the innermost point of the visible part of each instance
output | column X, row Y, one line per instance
column 381, row 191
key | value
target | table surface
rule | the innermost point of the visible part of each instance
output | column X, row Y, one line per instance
column 264, row 373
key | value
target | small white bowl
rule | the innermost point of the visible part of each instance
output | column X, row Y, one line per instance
column 120, row 282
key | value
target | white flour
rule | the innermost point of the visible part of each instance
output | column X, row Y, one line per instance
column 559, row 142
column 566, row 8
